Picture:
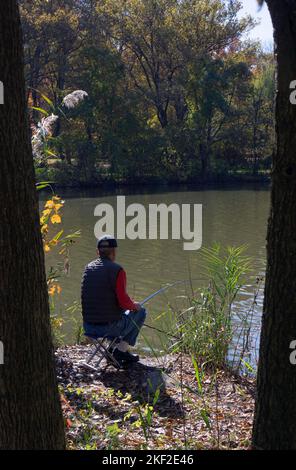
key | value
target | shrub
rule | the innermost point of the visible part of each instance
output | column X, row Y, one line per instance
column 205, row 328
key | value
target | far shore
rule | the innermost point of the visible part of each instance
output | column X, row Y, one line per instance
column 219, row 182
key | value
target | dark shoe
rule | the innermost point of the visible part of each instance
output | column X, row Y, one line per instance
column 118, row 355
column 123, row 357
column 128, row 357
column 115, row 359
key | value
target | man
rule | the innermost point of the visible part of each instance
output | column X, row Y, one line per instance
column 107, row 309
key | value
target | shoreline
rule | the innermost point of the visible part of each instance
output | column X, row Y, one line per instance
column 106, row 409
column 224, row 181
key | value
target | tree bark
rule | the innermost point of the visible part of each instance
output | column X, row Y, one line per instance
column 275, row 414
column 30, row 412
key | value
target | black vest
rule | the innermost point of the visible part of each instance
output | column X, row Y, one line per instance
column 98, row 292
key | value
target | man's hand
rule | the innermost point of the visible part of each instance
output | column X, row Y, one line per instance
column 138, row 306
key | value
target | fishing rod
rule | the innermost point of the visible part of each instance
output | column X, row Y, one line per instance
column 154, row 294
column 159, row 291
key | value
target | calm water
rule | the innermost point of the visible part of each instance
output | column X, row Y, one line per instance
column 230, row 217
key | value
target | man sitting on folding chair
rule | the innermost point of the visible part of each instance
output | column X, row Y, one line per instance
column 105, row 302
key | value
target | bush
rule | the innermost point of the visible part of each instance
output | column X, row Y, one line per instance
column 205, row 328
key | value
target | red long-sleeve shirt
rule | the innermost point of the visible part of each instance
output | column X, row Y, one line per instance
column 124, row 300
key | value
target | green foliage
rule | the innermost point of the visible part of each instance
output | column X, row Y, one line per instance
column 205, row 329
column 145, row 414
column 112, row 433
column 175, row 92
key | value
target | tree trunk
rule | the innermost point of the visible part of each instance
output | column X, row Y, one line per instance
column 275, row 414
column 30, row 413
column 162, row 116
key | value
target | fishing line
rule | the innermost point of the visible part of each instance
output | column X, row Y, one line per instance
column 159, row 291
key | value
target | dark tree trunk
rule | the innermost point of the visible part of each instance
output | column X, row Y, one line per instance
column 162, row 116
column 275, row 415
column 30, row 413
column 181, row 108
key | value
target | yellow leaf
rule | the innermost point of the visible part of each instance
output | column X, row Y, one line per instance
column 49, row 204
column 56, row 198
column 58, row 206
column 46, row 212
column 44, row 228
column 56, row 219
column 51, row 290
column 46, row 248
column 59, row 289
column 57, row 322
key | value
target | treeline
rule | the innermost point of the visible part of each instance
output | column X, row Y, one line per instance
column 175, row 91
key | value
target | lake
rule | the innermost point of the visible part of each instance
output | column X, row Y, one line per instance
column 231, row 216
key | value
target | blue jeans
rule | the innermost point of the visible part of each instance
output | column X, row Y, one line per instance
column 128, row 327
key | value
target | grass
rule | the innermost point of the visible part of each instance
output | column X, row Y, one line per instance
column 205, row 327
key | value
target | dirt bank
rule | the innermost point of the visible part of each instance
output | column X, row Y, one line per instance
column 111, row 409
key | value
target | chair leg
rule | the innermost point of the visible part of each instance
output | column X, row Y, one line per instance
column 97, row 348
column 104, row 353
column 108, row 355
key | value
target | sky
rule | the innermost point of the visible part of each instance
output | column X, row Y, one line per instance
column 264, row 30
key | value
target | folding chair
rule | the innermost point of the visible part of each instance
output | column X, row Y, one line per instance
column 102, row 348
